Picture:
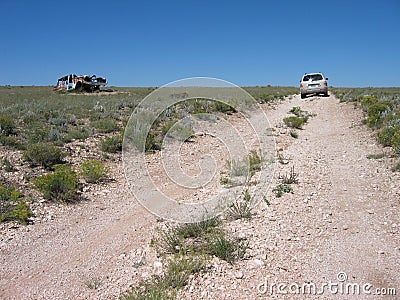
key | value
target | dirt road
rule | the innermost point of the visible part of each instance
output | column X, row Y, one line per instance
column 343, row 217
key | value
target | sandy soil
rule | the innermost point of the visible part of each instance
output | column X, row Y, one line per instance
column 343, row 217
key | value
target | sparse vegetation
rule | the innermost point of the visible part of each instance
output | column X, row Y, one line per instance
column 166, row 286
column 62, row 184
column 106, row 125
column 381, row 107
column 93, row 283
column 290, row 178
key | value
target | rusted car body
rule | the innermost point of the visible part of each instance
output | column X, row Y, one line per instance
column 85, row 83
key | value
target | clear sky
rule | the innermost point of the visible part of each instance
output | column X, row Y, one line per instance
column 151, row 43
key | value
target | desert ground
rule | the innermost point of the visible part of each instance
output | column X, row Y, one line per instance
column 339, row 225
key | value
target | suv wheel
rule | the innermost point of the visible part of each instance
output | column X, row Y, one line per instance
column 302, row 96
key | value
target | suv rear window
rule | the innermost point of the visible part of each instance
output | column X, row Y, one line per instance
column 312, row 77
column 316, row 77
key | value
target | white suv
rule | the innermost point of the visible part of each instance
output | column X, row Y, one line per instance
column 313, row 83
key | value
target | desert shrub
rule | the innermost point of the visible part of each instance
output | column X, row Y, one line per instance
column 367, row 101
column 105, row 125
column 165, row 287
column 294, row 122
column 396, row 142
column 8, row 165
column 197, row 229
column 79, row 133
column 62, row 184
column 7, row 125
column 12, row 206
column 179, row 132
column 12, row 141
column 111, row 144
column 168, row 240
column 241, row 209
column 44, row 155
column 224, row 108
column 226, row 249
column 290, row 178
column 255, row 162
column 294, row 134
column 376, row 113
column 238, row 168
column 385, row 136
column 280, row 189
column 152, row 142
column 396, row 168
column 376, row 156
column 94, row 171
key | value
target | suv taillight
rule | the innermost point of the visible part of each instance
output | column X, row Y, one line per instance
column 325, row 83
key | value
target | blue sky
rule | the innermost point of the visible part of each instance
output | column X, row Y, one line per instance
column 151, row 43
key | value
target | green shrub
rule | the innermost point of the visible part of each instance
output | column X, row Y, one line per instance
column 165, row 287
column 79, row 133
column 105, row 125
column 62, row 184
column 44, row 155
column 12, row 141
column 376, row 113
column 111, row 144
column 152, row 143
column 94, row 171
column 228, row 250
column 396, row 142
column 224, row 108
column 396, row 168
column 168, row 240
column 7, row 125
column 8, row 165
column 294, row 134
column 376, row 156
column 367, row 101
column 12, row 206
column 294, row 122
column 385, row 136
column 197, row 229
column 280, row 189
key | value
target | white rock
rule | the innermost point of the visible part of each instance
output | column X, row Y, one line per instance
column 239, row 275
column 258, row 262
